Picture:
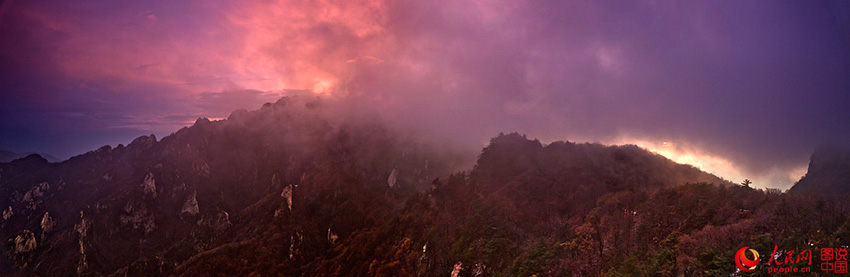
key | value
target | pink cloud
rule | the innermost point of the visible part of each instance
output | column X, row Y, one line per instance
column 704, row 73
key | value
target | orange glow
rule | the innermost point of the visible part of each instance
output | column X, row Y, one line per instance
column 714, row 164
column 304, row 45
column 261, row 45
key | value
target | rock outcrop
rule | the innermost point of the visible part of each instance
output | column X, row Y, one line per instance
column 82, row 231
column 143, row 142
column 47, row 223
column 22, row 247
column 25, row 242
column 332, row 237
column 294, row 240
column 218, row 221
column 7, row 213
column 191, row 205
column 149, row 185
column 456, row 269
column 393, row 177
column 178, row 190
column 138, row 217
column 33, row 197
column 287, row 196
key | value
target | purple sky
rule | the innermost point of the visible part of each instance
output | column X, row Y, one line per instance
column 739, row 88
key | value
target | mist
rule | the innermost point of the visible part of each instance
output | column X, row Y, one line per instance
column 742, row 90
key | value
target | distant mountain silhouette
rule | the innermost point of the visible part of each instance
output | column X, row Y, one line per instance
column 8, row 156
column 295, row 188
column 828, row 174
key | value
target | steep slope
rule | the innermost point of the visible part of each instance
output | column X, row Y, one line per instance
column 828, row 174
column 519, row 192
column 568, row 174
column 151, row 204
column 297, row 189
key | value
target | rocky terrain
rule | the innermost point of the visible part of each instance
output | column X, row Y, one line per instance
column 828, row 174
column 155, row 206
column 293, row 189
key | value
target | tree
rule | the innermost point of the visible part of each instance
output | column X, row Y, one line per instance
column 746, row 182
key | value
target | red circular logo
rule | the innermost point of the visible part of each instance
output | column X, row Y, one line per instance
column 745, row 263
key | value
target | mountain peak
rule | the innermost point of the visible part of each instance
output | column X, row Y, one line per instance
column 9, row 156
column 828, row 174
column 143, row 141
column 31, row 158
column 298, row 188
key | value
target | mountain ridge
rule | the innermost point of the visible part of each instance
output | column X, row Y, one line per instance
column 297, row 188
column 828, row 173
column 9, row 156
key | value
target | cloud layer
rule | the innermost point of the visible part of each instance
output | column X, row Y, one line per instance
column 755, row 84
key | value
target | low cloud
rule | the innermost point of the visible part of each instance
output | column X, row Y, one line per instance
column 754, row 86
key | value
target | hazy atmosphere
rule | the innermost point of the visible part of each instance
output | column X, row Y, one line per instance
column 739, row 89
